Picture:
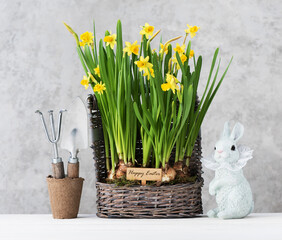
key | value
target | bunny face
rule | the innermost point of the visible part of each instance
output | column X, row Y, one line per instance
column 225, row 149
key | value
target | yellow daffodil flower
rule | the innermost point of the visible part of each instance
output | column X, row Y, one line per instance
column 146, row 73
column 85, row 82
column 131, row 48
column 110, row 40
column 166, row 86
column 97, row 71
column 179, row 49
column 191, row 30
column 86, row 38
column 182, row 57
column 143, row 63
column 163, row 50
column 147, row 30
column 172, row 80
column 171, row 83
column 191, row 54
column 99, row 88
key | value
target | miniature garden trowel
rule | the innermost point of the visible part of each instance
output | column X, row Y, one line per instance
column 75, row 135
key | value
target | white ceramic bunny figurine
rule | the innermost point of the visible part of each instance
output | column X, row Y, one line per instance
column 232, row 190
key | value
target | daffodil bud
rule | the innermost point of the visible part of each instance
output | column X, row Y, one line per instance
column 73, row 33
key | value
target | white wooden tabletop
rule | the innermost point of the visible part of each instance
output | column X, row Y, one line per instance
column 40, row 227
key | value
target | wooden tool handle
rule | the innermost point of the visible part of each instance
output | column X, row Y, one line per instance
column 58, row 170
column 73, row 170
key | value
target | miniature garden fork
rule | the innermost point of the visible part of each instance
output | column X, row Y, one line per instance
column 57, row 163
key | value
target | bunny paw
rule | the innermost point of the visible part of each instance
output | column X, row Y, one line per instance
column 212, row 191
column 211, row 213
column 223, row 215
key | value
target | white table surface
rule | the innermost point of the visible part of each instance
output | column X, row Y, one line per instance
column 41, row 227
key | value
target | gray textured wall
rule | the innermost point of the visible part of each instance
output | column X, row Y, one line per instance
column 39, row 69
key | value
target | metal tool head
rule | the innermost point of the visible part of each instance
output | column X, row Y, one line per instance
column 75, row 129
column 55, row 136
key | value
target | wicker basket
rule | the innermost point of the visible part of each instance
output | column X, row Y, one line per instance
column 167, row 201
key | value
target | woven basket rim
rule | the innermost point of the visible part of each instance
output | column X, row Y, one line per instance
column 197, row 183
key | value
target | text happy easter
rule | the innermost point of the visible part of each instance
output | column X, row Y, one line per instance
column 149, row 174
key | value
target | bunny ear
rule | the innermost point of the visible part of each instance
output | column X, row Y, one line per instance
column 226, row 130
column 237, row 132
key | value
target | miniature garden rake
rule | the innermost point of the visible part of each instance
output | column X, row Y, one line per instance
column 57, row 163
